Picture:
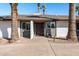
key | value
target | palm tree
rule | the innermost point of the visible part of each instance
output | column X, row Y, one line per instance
column 14, row 23
column 44, row 8
column 72, row 23
column 38, row 7
column 77, row 9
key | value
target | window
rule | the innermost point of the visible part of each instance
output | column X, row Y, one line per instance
column 23, row 25
column 48, row 24
column 26, row 26
column 51, row 24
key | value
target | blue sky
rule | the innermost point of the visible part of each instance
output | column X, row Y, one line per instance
column 31, row 8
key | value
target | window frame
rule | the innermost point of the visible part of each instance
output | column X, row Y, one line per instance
column 50, row 24
column 26, row 26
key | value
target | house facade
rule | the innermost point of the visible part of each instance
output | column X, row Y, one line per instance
column 30, row 26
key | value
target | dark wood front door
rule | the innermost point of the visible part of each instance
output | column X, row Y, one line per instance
column 39, row 29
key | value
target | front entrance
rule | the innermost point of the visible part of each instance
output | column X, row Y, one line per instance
column 31, row 29
column 39, row 29
column 25, row 29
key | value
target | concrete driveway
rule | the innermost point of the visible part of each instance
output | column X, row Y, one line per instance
column 66, row 49
column 27, row 48
column 39, row 47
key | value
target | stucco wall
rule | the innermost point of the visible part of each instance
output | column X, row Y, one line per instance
column 5, row 29
column 62, row 29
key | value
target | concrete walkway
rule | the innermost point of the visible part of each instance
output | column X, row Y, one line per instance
column 39, row 47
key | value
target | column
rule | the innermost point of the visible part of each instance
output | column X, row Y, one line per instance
column 31, row 29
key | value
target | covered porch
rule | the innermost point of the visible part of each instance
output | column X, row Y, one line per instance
column 30, row 28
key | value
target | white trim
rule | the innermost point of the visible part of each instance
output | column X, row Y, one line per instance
column 31, row 29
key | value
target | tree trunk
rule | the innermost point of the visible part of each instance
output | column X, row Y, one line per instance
column 72, row 23
column 38, row 7
column 78, row 12
column 14, row 23
column 43, row 11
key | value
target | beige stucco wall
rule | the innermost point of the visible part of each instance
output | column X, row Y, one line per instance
column 61, row 29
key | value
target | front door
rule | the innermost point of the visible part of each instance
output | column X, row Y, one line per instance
column 39, row 29
column 25, row 29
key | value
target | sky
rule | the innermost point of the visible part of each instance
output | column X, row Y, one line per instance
column 31, row 8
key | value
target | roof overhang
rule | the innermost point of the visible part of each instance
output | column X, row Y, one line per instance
column 38, row 18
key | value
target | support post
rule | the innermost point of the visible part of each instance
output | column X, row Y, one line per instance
column 31, row 29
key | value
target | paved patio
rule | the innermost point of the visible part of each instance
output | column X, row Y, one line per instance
column 40, row 46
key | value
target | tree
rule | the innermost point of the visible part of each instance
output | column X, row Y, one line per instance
column 14, row 23
column 72, row 23
column 77, row 9
column 44, row 8
column 38, row 7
